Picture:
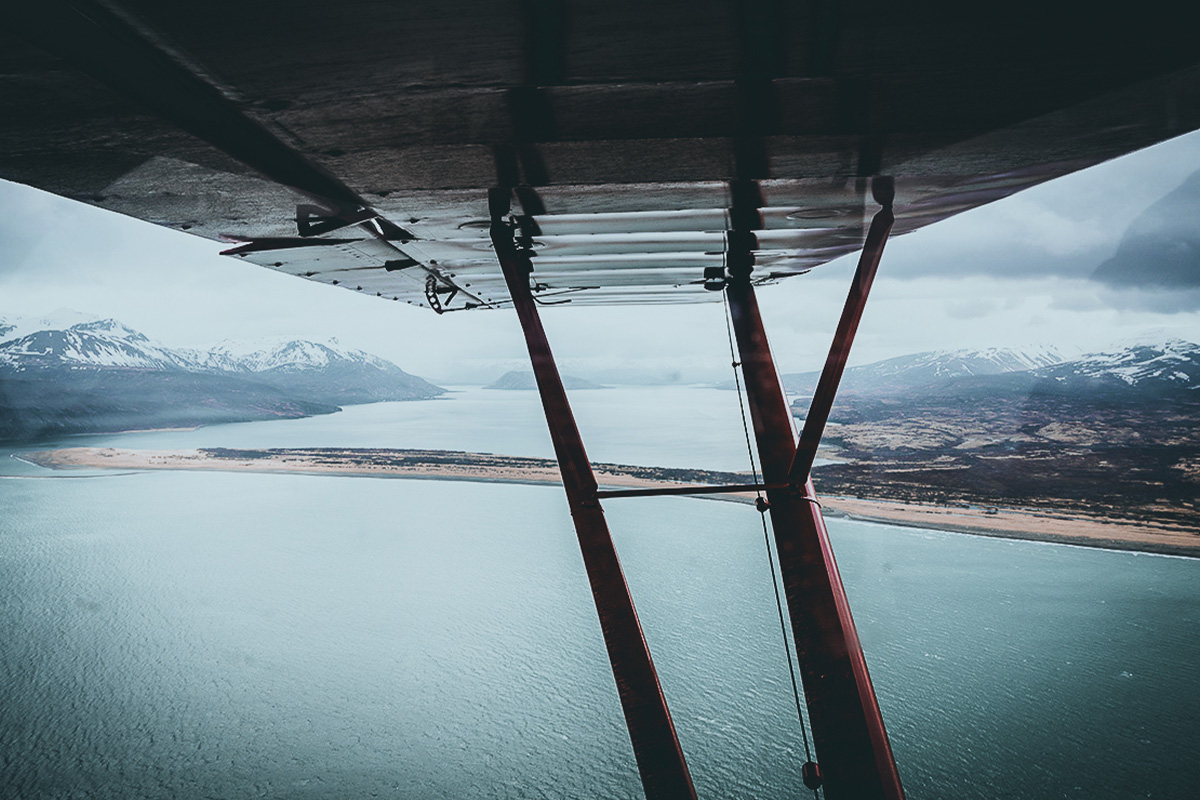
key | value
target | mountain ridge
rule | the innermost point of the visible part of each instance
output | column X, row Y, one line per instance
column 97, row 374
column 1114, row 434
column 1174, row 360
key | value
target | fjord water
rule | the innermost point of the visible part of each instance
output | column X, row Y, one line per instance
column 664, row 426
column 177, row 635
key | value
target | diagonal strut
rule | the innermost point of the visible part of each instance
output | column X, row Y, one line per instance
column 656, row 747
column 851, row 743
column 822, row 401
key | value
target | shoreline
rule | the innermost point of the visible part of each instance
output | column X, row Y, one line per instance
column 1057, row 527
column 1023, row 525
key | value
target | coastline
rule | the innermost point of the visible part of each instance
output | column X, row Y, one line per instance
column 1023, row 524
column 1058, row 527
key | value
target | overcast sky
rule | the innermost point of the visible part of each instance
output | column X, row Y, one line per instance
column 1012, row 273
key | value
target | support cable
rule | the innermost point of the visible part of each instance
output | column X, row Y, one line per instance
column 761, row 504
column 737, row 381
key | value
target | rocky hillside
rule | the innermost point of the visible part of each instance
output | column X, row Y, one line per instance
column 1117, row 434
column 64, row 374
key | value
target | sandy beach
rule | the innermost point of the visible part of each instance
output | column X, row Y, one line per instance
column 1015, row 523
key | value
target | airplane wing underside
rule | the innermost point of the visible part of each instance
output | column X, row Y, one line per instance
column 354, row 144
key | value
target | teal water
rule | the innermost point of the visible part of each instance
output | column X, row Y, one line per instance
column 179, row 635
column 662, row 426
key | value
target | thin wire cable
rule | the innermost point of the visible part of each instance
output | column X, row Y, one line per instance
column 738, row 382
column 766, row 537
column 783, row 632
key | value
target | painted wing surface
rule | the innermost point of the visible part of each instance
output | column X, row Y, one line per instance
column 354, row 144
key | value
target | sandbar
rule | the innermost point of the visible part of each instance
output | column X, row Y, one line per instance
column 1060, row 526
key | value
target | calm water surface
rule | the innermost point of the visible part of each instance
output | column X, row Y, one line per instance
column 179, row 635
column 667, row 426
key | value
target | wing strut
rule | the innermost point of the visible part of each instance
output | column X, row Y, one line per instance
column 884, row 192
column 852, row 745
column 656, row 747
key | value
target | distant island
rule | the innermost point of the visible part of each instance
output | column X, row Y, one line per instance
column 66, row 375
column 525, row 380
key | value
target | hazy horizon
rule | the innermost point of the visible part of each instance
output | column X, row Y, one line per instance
column 62, row 318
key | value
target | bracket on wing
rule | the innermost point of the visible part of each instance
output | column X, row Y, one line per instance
column 434, row 291
column 362, row 251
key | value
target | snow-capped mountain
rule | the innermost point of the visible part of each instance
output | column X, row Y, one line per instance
column 1146, row 367
column 961, row 363
column 94, row 343
column 1171, row 364
column 73, row 340
column 1113, row 434
column 281, row 355
column 12, row 327
column 72, row 373
column 323, row 371
column 933, row 367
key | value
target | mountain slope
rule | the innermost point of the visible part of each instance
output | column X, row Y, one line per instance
column 1117, row 434
column 99, row 375
column 921, row 370
column 36, row 406
column 1172, row 365
column 322, row 372
column 105, row 343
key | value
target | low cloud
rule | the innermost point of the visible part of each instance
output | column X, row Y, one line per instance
column 1128, row 222
column 971, row 308
column 1154, row 299
column 1161, row 248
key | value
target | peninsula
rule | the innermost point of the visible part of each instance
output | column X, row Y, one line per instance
column 1041, row 524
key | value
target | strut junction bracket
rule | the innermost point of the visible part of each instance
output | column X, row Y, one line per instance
column 851, row 742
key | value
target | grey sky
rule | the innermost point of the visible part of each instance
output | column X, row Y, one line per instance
column 1014, row 272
